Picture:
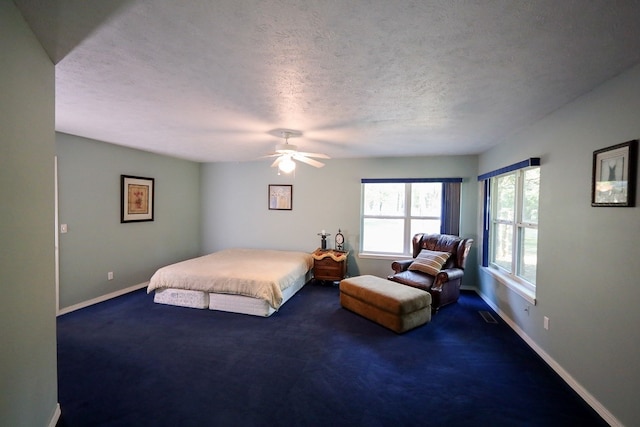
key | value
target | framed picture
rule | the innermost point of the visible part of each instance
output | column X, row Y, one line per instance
column 614, row 175
column 136, row 198
column 280, row 197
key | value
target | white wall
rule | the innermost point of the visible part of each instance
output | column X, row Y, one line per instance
column 588, row 269
column 235, row 211
column 28, row 373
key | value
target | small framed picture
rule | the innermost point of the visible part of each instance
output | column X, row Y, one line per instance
column 136, row 198
column 614, row 175
column 280, row 197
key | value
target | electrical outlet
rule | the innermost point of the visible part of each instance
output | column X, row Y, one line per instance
column 546, row 323
column 110, row 275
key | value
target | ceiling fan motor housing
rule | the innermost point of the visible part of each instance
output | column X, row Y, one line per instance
column 286, row 148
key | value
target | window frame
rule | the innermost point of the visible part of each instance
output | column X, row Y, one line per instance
column 513, row 279
column 518, row 228
column 406, row 217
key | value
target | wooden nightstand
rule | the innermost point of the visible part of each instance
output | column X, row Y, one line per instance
column 329, row 265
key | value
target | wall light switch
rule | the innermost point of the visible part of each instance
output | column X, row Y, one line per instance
column 110, row 275
column 546, row 323
column 63, row 228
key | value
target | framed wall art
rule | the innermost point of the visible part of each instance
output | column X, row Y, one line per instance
column 136, row 198
column 280, row 197
column 614, row 175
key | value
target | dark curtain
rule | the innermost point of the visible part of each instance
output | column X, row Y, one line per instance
column 451, row 208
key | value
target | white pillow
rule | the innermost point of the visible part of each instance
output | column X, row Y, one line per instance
column 429, row 262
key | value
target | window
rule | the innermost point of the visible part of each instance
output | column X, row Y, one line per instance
column 393, row 211
column 510, row 237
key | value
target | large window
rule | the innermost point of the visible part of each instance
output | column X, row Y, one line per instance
column 511, row 223
column 395, row 210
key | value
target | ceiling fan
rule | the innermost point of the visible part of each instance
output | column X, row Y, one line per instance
column 286, row 154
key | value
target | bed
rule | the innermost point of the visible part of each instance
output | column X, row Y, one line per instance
column 248, row 281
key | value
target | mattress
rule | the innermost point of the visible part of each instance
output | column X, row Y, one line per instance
column 257, row 273
column 247, row 281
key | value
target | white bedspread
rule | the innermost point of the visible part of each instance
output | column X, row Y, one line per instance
column 255, row 273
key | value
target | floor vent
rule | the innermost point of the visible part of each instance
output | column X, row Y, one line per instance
column 488, row 317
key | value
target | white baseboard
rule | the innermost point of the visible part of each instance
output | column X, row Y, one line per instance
column 575, row 385
column 101, row 298
column 56, row 416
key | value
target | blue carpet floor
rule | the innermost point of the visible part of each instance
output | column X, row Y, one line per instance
column 130, row 362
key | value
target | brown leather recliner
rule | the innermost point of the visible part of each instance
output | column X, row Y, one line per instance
column 445, row 286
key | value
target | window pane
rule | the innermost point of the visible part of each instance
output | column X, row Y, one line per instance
column 503, row 245
column 429, row 226
column 530, row 191
column 529, row 254
column 505, row 191
column 426, row 199
column 383, row 235
column 384, row 199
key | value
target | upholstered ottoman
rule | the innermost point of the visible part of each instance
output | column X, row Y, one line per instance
column 390, row 304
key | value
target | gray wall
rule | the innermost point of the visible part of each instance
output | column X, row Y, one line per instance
column 28, row 383
column 235, row 211
column 89, row 203
column 588, row 268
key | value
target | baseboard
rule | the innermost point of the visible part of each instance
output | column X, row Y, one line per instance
column 101, row 298
column 56, row 416
column 575, row 385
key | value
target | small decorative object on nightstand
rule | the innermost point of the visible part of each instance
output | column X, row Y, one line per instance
column 329, row 265
column 339, row 241
column 323, row 236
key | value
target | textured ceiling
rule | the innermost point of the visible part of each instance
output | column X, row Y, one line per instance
column 210, row 80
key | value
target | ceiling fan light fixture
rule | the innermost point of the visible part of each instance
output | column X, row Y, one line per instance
column 287, row 165
column 286, row 153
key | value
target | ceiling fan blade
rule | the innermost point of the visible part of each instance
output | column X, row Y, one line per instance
column 308, row 161
column 318, row 155
column 276, row 162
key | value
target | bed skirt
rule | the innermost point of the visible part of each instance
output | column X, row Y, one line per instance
column 182, row 298
column 225, row 302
